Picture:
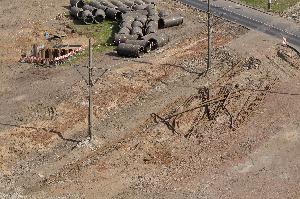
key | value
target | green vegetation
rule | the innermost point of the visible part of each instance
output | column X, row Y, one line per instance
column 277, row 5
column 101, row 33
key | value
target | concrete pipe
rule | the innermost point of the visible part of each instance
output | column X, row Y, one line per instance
column 137, row 24
column 122, row 38
column 127, row 18
column 124, row 9
column 87, row 17
column 152, row 12
column 153, row 18
column 142, row 12
column 156, row 40
column 129, row 50
column 128, row 3
column 139, row 7
column 151, row 29
column 124, row 31
column 99, row 16
column 144, row 43
column 150, row 2
column 97, row 5
column 153, row 23
column 163, row 13
column 77, row 3
column 90, row 8
column 126, row 24
column 76, row 12
column 137, row 31
column 142, row 18
column 117, row 3
column 138, row 2
column 150, row 7
column 170, row 21
column 113, row 14
column 107, row 4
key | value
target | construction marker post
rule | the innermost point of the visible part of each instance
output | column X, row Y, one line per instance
column 269, row 4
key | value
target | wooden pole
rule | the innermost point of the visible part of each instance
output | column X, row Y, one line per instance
column 90, row 85
column 209, row 36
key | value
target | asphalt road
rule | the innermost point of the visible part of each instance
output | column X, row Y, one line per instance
column 253, row 19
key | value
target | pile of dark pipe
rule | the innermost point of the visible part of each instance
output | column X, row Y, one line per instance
column 139, row 22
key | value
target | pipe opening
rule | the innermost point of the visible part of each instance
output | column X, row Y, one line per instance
column 79, row 14
column 94, row 12
column 153, row 44
column 161, row 23
column 99, row 19
column 118, row 16
column 148, row 47
column 88, row 20
column 80, row 4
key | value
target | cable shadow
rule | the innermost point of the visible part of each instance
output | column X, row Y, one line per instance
column 59, row 134
column 199, row 74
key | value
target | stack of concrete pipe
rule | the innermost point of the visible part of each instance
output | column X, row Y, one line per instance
column 139, row 22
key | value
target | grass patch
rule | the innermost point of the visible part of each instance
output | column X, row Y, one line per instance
column 102, row 34
column 278, row 6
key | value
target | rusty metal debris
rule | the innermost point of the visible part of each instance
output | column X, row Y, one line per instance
column 139, row 22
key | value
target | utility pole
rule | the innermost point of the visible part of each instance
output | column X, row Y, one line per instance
column 90, row 85
column 209, row 36
column 90, row 82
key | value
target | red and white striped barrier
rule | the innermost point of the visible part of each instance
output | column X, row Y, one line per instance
column 62, row 58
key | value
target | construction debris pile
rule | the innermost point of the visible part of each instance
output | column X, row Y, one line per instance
column 139, row 22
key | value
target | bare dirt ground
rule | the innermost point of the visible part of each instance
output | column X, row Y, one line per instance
column 247, row 143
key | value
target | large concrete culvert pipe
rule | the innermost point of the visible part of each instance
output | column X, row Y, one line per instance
column 163, row 13
column 124, row 9
column 107, row 4
column 170, row 21
column 76, row 12
column 130, row 50
column 90, row 8
column 138, row 2
column 113, row 14
column 156, row 40
column 142, row 18
column 128, row 3
column 118, row 3
column 151, row 29
column 97, row 5
column 150, row 2
column 139, row 7
column 144, row 43
column 126, row 24
column 87, row 17
column 122, row 38
column 137, row 31
column 77, row 3
column 125, row 31
column 137, row 24
column 99, row 16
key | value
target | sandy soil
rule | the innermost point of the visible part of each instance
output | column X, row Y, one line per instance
column 241, row 147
